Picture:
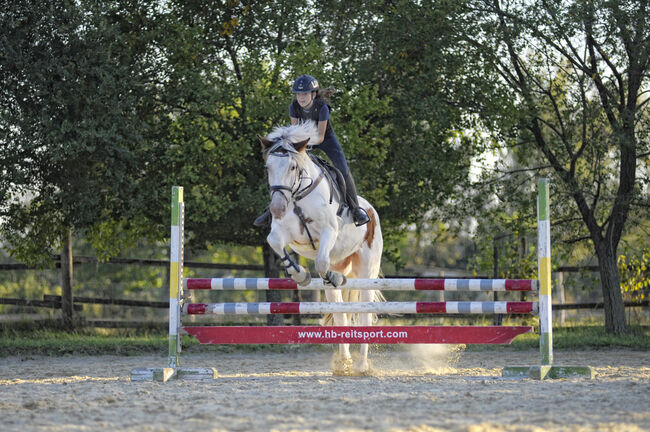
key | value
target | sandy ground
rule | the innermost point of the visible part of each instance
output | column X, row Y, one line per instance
column 421, row 390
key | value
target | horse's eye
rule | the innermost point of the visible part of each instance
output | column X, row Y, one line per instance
column 293, row 167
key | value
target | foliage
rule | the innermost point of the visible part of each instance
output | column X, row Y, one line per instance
column 78, row 122
column 426, row 158
column 571, row 78
column 635, row 275
column 177, row 94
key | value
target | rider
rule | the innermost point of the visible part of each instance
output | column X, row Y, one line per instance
column 310, row 105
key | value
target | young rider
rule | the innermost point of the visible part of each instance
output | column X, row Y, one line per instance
column 309, row 105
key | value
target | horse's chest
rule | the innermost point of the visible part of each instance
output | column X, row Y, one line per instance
column 304, row 233
column 305, row 228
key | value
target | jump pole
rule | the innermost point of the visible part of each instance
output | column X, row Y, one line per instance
column 546, row 368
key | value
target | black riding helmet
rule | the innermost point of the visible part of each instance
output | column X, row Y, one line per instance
column 305, row 84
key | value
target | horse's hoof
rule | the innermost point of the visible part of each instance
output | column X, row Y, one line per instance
column 341, row 367
column 306, row 281
column 334, row 279
column 362, row 370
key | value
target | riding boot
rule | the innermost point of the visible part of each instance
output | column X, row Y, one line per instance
column 264, row 219
column 359, row 215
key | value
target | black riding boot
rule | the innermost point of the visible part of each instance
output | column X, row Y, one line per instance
column 358, row 214
column 264, row 219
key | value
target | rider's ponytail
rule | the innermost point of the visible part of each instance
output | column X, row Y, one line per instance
column 326, row 94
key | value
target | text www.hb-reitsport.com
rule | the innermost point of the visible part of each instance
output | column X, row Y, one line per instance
column 327, row 334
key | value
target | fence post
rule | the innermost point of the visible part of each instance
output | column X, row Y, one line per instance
column 497, row 319
column 560, row 285
column 66, row 280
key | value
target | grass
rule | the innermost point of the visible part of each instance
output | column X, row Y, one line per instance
column 583, row 337
column 26, row 340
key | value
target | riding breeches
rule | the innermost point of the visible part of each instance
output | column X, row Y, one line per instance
column 332, row 148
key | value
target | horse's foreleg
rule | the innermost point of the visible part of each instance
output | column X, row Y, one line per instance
column 322, row 261
column 293, row 269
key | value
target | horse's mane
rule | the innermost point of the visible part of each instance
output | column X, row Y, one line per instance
column 285, row 136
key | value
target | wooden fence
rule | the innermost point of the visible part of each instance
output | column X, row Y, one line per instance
column 56, row 302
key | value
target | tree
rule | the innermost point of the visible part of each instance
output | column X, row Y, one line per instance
column 79, row 124
column 405, row 50
column 577, row 73
column 231, row 69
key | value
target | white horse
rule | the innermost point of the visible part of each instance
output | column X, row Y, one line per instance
column 304, row 217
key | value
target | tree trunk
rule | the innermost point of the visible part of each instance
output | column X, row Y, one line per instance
column 66, row 280
column 271, row 270
column 611, row 285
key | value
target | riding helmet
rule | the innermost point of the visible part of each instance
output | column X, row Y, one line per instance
column 305, row 84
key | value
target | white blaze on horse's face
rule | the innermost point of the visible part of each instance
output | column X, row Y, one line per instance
column 282, row 171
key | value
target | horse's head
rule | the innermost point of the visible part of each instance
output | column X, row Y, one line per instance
column 285, row 155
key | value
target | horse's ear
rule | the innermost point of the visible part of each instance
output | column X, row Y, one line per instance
column 300, row 146
column 265, row 142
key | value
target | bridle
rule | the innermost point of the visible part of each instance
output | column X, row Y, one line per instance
column 296, row 193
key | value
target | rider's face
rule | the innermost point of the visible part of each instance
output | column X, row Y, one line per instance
column 304, row 99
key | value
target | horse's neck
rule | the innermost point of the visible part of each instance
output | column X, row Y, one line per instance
column 312, row 171
column 315, row 185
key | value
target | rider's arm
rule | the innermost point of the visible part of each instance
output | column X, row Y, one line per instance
column 322, row 127
column 294, row 121
column 323, row 118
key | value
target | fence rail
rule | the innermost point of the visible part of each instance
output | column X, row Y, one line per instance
column 51, row 303
column 81, row 259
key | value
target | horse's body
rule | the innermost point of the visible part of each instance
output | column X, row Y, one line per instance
column 304, row 217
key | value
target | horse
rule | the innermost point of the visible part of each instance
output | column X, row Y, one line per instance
column 306, row 217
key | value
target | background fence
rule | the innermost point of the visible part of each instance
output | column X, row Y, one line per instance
column 103, row 298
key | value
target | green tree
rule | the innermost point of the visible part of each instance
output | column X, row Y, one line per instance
column 78, row 127
column 577, row 77
column 231, row 69
column 405, row 50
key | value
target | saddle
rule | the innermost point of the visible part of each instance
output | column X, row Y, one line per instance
column 335, row 180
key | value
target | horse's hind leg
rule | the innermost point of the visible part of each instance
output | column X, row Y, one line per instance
column 344, row 361
column 366, row 266
column 365, row 319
